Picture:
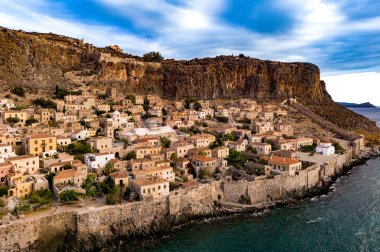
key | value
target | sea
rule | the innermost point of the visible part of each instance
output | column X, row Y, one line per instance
column 371, row 113
column 345, row 219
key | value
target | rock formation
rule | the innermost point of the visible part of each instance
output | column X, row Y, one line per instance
column 41, row 61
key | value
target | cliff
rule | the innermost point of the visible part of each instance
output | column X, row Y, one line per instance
column 41, row 61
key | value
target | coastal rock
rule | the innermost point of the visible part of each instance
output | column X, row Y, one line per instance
column 39, row 62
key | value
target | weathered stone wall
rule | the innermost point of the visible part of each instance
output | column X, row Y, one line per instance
column 276, row 188
column 92, row 229
column 27, row 233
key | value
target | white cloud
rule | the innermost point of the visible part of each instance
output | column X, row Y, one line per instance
column 354, row 87
column 194, row 28
column 21, row 16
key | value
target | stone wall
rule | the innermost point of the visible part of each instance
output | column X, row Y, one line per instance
column 103, row 227
column 24, row 234
column 276, row 188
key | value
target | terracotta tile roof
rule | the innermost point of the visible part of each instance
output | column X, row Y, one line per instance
column 21, row 157
column 65, row 174
column 141, row 160
column 119, row 174
column 158, row 168
column 281, row 160
column 149, row 181
column 72, row 162
column 35, row 136
column 203, row 158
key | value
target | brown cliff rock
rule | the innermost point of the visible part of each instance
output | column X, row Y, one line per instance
column 41, row 61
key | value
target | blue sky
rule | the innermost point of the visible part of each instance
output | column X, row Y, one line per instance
column 342, row 37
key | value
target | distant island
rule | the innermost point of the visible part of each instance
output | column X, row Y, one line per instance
column 357, row 105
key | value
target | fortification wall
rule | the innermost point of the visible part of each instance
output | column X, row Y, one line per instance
column 89, row 229
column 26, row 233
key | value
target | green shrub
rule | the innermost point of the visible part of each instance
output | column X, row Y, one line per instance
column 68, row 196
column 4, row 191
column 131, row 97
column 13, row 120
column 222, row 119
column 113, row 198
column 45, row 103
column 131, row 155
column 19, row 108
column 30, row 121
column 23, row 208
column 165, row 142
column 19, row 91
column 153, row 57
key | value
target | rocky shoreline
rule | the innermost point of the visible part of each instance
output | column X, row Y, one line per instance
column 162, row 230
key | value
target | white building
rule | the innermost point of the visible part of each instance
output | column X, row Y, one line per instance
column 325, row 149
column 6, row 152
column 201, row 114
column 97, row 161
column 80, row 135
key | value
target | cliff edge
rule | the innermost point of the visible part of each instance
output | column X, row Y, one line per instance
column 39, row 61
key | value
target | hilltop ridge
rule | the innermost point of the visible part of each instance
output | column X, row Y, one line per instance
column 40, row 61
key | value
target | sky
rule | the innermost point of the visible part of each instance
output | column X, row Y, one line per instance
column 342, row 36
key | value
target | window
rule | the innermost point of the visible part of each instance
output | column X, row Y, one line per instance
column 164, row 186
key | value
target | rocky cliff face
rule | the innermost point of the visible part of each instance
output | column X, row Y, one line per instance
column 40, row 61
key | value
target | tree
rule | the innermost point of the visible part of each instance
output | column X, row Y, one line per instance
column 165, row 142
column 190, row 100
column 102, row 96
column 52, row 123
column 99, row 112
column 236, row 158
column 173, row 157
column 19, row 91
column 4, row 191
column 230, row 137
column 30, row 121
column 18, row 108
column 338, row 148
column 109, row 168
column 205, row 173
column 108, row 185
column 113, row 197
column 131, row 155
column 79, row 147
column 131, row 97
column 251, row 149
column 60, row 93
column 222, row 119
column 89, row 185
column 173, row 186
column 13, row 120
column 45, row 103
column 308, row 148
column 68, row 196
column 152, row 57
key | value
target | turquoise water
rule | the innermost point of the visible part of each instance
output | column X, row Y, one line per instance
column 347, row 219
